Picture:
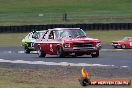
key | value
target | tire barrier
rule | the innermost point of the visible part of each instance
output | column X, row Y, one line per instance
column 92, row 26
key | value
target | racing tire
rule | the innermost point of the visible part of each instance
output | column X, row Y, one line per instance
column 96, row 54
column 27, row 51
column 78, row 54
column 123, row 46
column 40, row 52
column 115, row 47
column 74, row 56
column 60, row 52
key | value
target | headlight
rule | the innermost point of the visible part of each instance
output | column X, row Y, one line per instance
column 67, row 45
column 98, row 44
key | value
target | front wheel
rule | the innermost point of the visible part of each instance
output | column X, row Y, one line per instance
column 27, row 50
column 95, row 54
column 40, row 52
column 123, row 46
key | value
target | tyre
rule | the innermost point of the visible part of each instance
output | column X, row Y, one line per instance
column 95, row 54
column 74, row 56
column 115, row 47
column 79, row 54
column 40, row 52
column 27, row 50
column 123, row 46
column 60, row 52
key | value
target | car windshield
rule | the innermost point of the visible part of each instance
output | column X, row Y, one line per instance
column 37, row 35
column 40, row 34
column 70, row 33
column 125, row 39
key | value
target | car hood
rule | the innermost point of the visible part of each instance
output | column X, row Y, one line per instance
column 118, row 41
column 28, row 40
column 83, row 39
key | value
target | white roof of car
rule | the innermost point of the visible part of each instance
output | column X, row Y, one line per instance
column 128, row 38
column 41, row 31
column 62, row 28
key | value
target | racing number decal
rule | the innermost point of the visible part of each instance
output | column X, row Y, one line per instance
column 51, row 48
column 130, row 43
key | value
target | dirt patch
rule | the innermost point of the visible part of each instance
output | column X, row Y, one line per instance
column 57, row 76
column 66, row 71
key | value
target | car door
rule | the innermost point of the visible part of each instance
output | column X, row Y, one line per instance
column 130, row 42
column 44, row 42
column 52, row 43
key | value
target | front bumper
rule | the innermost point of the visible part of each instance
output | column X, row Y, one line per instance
column 116, row 45
column 81, row 49
column 28, row 45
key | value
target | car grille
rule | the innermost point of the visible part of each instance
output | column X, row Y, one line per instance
column 29, row 44
column 89, row 44
column 115, row 43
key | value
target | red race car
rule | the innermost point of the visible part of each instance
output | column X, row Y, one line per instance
column 126, row 42
column 67, row 41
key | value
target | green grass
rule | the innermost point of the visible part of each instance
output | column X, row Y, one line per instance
column 45, row 78
column 17, row 12
column 108, row 36
column 14, row 39
column 11, row 39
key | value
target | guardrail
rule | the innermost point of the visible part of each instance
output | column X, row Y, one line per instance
column 94, row 26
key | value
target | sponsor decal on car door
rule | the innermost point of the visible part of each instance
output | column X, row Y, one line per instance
column 130, row 44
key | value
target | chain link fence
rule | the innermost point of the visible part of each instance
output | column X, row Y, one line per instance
column 28, row 18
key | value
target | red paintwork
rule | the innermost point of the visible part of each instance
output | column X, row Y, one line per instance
column 127, row 43
column 50, row 45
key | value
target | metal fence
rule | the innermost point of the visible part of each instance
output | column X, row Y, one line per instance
column 65, row 17
column 94, row 26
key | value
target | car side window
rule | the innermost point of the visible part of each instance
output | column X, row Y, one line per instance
column 45, row 35
column 35, row 35
column 30, row 35
column 51, row 35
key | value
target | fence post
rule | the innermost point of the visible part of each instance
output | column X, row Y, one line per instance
column 65, row 16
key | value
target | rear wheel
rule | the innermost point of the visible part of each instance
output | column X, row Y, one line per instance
column 95, row 54
column 60, row 52
column 41, row 53
column 79, row 54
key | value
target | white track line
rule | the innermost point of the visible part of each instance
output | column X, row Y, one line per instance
column 21, row 52
column 112, row 49
column 52, row 63
column 124, row 66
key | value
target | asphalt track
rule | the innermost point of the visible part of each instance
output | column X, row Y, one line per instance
column 15, row 54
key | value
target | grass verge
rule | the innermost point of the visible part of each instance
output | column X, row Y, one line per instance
column 107, row 36
column 20, row 12
column 59, row 77
column 11, row 39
